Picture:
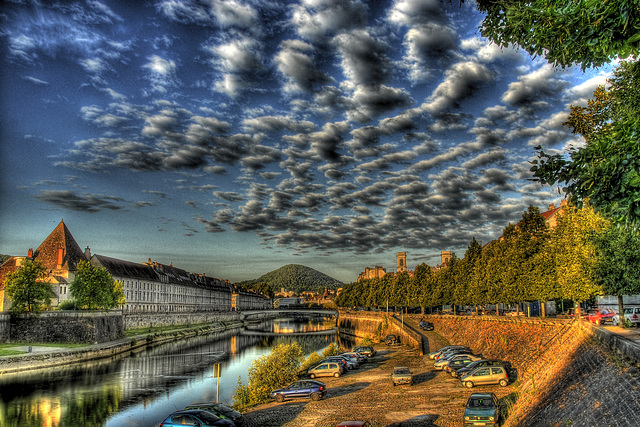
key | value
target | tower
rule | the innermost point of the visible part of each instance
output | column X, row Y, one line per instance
column 445, row 257
column 402, row 262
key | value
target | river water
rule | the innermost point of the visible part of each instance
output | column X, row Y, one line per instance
column 142, row 388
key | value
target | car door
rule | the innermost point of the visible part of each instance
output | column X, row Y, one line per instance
column 481, row 376
column 293, row 390
column 497, row 374
column 305, row 389
column 321, row 371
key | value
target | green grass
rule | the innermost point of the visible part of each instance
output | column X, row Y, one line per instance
column 6, row 348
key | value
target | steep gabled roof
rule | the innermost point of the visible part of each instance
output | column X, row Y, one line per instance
column 60, row 237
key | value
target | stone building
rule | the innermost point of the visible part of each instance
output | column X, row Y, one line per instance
column 376, row 272
column 149, row 287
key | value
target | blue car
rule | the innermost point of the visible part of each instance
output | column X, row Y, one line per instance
column 300, row 389
column 220, row 410
column 195, row 417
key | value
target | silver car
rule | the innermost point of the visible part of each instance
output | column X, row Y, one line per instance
column 631, row 314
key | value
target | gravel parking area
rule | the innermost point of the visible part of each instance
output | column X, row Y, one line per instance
column 367, row 393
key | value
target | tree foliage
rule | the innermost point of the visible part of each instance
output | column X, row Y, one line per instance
column 27, row 288
column 588, row 33
column 529, row 262
column 606, row 170
column 94, row 288
column 269, row 372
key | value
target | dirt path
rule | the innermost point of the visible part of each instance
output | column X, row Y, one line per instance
column 436, row 399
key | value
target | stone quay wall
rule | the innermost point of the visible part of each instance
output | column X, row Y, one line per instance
column 377, row 325
column 151, row 320
column 5, row 327
column 66, row 326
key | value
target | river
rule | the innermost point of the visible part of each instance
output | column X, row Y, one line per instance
column 142, row 388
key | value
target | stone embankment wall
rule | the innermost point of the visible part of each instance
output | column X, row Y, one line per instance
column 68, row 327
column 377, row 325
column 568, row 373
column 150, row 320
column 5, row 327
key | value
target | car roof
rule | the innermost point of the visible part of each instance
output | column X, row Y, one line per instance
column 481, row 395
column 352, row 423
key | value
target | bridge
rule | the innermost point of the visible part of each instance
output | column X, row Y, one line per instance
column 258, row 314
column 249, row 332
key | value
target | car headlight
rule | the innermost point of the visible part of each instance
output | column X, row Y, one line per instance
column 466, row 418
column 490, row 418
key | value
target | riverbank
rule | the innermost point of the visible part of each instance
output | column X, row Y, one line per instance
column 50, row 356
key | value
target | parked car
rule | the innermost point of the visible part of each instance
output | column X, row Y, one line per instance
column 391, row 340
column 460, row 361
column 220, row 410
column 367, row 350
column 442, row 363
column 477, row 364
column 631, row 314
column 426, row 326
column 300, row 389
column 486, row 375
column 436, row 353
column 402, row 375
column 195, row 417
column 481, row 409
column 453, row 351
column 354, row 424
column 360, row 358
column 326, row 369
column 600, row 315
column 346, row 364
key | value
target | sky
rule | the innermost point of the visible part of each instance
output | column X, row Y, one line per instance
column 233, row 137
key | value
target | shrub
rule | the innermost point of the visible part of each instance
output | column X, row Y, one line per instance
column 67, row 305
column 269, row 372
column 311, row 361
column 332, row 350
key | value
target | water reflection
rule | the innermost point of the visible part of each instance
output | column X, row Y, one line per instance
column 141, row 388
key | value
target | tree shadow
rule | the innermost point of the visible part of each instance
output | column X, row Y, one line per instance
column 424, row 377
column 274, row 416
column 426, row 420
column 346, row 389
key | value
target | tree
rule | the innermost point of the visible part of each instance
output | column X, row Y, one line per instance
column 94, row 288
column 576, row 255
column 27, row 288
column 269, row 372
column 588, row 33
column 618, row 266
column 606, row 170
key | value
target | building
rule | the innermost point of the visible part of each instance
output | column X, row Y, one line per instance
column 149, row 287
column 376, row 272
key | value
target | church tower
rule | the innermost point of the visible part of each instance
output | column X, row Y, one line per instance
column 401, row 258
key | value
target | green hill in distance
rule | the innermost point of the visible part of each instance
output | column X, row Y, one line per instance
column 295, row 277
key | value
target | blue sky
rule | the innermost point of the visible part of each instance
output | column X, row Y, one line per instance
column 234, row 137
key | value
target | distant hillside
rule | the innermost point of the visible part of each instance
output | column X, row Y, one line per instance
column 297, row 278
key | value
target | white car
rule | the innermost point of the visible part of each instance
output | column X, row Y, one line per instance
column 632, row 314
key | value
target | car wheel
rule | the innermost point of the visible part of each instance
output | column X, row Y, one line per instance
column 394, row 384
column 503, row 383
column 615, row 322
column 315, row 396
column 337, row 374
column 468, row 384
column 279, row 398
column 312, row 376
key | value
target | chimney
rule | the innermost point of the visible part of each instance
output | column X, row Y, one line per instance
column 87, row 253
column 30, row 253
column 552, row 206
column 60, row 257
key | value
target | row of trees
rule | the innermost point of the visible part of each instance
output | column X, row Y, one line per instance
column 583, row 256
column 93, row 288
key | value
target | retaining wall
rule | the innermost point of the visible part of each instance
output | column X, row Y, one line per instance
column 150, row 320
column 377, row 326
column 67, row 327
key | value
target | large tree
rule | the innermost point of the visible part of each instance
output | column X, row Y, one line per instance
column 27, row 288
column 618, row 266
column 576, row 256
column 606, row 169
column 94, row 288
column 588, row 33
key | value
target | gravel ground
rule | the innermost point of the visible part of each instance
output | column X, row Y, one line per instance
column 367, row 393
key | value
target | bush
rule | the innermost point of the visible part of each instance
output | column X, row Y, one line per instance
column 67, row 305
column 332, row 350
column 269, row 372
column 311, row 361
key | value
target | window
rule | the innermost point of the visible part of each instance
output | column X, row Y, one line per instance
column 481, row 372
column 496, row 371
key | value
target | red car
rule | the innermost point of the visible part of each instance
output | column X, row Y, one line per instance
column 600, row 316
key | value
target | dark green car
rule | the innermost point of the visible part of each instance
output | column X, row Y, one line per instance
column 482, row 410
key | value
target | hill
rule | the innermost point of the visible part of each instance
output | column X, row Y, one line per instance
column 297, row 278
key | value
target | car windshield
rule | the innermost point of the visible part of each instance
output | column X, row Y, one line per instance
column 208, row 418
column 402, row 370
column 485, row 402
